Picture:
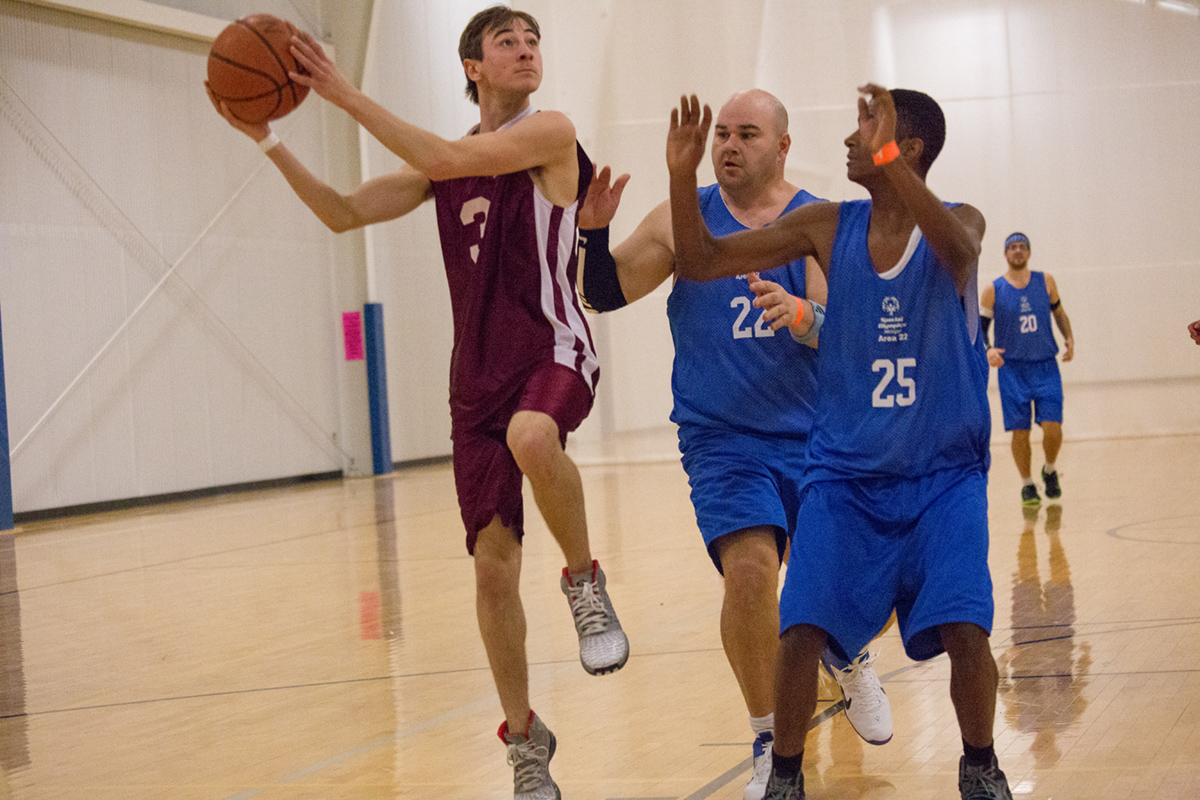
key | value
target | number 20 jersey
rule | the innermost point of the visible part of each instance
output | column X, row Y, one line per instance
column 1023, row 319
column 902, row 374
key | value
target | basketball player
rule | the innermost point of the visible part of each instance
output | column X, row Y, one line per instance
column 1194, row 331
column 894, row 511
column 743, row 397
column 1022, row 302
column 523, row 370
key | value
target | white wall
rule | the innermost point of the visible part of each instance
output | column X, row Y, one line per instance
column 168, row 311
column 1076, row 121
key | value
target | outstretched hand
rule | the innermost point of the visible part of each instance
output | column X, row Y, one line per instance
column 600, row 205
column 876, row 117
column 321, row 74
column 255, row 130
column 688, row 135
column 779, row 307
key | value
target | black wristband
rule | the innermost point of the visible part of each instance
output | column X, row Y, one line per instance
column 597, row 282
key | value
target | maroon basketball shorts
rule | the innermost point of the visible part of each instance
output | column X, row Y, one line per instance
column 486, row 476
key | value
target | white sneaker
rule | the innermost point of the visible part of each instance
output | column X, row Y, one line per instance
column 867, row 705
column 603, row 647
column 529, row 756
column 756, row 789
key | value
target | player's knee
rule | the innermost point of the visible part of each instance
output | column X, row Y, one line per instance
column 496, row 577
column 800, row 646
column 533, row 439
column 497, row 562
column 966, row 642
column 750, row 564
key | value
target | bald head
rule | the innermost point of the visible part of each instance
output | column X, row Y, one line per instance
column 764, row 103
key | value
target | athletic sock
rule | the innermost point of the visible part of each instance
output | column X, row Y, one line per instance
column 979, row 756
column 787, row 768
column 1029, row 481
column 1050, row 468
column 765, row 723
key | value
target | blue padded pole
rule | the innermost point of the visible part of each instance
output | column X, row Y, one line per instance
column 377, row 396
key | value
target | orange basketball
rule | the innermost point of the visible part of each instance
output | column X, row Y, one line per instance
column 248, row 68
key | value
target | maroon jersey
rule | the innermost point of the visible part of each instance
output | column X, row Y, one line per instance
column 511, row 259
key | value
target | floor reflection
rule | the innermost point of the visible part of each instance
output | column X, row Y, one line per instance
column 387, row 546
column 14, row 725
column 1044, row 672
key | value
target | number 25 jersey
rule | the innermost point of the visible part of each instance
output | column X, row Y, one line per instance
column 902, row 373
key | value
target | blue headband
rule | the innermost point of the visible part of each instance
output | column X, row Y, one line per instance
column 1015, row 237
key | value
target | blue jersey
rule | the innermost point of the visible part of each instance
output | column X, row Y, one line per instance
column 1022, row 318
column 731, row 370
column 902, row 379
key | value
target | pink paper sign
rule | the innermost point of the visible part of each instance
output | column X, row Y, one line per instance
column 352, row 333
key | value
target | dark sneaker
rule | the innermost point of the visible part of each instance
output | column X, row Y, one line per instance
column 1053, row 490
column 1029, row 495
column 529, row 755
column 603, row 647
column 781, row 789
column 982, row 782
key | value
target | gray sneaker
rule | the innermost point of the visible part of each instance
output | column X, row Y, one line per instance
column 529, row 755
column 781, row 789
column 982, row 782
column 603, row 647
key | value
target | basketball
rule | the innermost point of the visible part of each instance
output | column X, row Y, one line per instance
column 248, row 68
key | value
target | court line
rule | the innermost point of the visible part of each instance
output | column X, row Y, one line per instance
column 316, row 685
column 732, row 774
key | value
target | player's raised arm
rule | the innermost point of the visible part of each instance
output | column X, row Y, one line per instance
column 698, row 255
column 539, row 140
column 377, row 200
column 956, row 235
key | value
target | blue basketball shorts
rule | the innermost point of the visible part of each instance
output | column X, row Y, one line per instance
column 1030, row 383
column 742, row 480
column 863, row 547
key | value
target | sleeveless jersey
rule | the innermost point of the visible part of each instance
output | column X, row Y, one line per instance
column 511, row 258
column 1022, row 319
column 731, row 370
column 902, row 379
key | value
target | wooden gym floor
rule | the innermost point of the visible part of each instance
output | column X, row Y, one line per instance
column 320, row 642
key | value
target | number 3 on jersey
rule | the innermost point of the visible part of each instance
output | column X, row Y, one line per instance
column 743, row 331
column 882, row 397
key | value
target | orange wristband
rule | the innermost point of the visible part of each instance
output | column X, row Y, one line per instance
column 887, row 154
column 799, row 311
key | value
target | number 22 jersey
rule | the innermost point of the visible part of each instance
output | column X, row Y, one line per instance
column 902, row 373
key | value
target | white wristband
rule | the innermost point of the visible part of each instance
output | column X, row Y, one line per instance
column 269, row 142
